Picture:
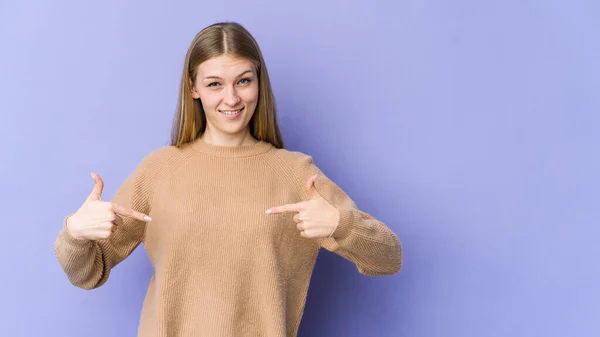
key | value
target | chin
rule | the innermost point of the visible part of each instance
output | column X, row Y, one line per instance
column 233, row 130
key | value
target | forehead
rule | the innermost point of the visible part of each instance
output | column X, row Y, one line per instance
column 225, row 66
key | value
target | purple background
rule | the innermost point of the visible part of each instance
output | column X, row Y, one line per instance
column 470, row 127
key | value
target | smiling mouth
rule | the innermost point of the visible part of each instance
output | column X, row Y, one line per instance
column 231, row 112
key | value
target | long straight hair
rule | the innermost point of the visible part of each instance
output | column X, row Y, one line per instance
column 215, row 40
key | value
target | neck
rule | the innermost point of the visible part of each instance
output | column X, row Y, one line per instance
column 221, row 139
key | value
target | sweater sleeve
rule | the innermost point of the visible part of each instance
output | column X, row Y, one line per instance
column 359, row 237
column 88, row 263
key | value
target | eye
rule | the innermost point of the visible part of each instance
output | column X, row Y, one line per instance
column 213, row 84
column 245, row 81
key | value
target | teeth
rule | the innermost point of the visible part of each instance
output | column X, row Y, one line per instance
column 230, row 112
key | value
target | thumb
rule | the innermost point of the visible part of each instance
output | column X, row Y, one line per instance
column 96, row 194
column 310, row 187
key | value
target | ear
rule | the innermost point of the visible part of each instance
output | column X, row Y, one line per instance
column 193, row 91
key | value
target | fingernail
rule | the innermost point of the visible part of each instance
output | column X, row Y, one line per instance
column 268, row 211
column 147, row 218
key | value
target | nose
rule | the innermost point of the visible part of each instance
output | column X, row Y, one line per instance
column 231, row 97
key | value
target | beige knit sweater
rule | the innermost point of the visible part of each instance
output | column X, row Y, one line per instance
column 222, row 267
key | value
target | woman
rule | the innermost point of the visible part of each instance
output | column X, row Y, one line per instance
column 231, row 221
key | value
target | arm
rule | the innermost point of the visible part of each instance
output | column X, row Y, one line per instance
column 359, row 237
column 328, row 211
column 88, row 263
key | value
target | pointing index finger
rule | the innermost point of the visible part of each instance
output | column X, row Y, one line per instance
column 285, row 208
column 122, row 210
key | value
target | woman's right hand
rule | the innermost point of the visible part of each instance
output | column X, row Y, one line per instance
column 95, row 219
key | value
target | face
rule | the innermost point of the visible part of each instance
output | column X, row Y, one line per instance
column 227, row 86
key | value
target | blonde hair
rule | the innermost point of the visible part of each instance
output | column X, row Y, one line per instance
column 218, row 39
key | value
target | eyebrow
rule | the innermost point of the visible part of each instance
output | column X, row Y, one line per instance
column 218, row 78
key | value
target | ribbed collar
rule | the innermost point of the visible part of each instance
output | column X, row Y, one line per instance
column 230, row 151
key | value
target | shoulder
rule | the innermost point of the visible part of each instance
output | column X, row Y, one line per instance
column 294, row 160
column 159, row 160
column 161, row 155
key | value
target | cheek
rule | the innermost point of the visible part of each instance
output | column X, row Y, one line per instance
column 250, row 96
column 209, row 100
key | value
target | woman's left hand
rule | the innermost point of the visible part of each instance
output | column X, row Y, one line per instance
column 315, row 218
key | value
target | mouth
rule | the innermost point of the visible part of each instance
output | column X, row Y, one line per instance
column 231, row 114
